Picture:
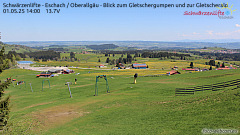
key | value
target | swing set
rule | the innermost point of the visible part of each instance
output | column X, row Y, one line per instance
column 96, row 86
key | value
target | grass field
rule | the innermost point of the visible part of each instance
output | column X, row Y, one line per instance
column 148, row 107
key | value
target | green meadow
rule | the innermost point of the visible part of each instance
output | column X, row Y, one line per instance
column 147, row 107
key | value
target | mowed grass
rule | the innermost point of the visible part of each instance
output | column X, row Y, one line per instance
column 148, row 107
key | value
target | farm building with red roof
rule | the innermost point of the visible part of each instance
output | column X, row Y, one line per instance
column 173, row 72
column 139, row 66
column 44, row 74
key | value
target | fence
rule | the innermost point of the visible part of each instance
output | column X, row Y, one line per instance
column 213, row 87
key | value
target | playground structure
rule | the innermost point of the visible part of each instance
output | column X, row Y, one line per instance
column 43, row 83
column 96, row 86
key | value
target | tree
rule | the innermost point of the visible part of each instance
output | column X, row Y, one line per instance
column 99, row 60
column 4, row 101
column 210, row 68
column 125, row 60
column 18, row 57
column 107, row 60
column 72, row 55
column 136, row 55
column 191, row 64
column 212, row 62
column 223, row 65
column 112, row 62
column 120, row 60
column 118, row 65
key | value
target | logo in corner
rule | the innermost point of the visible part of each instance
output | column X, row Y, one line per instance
column 228, row 11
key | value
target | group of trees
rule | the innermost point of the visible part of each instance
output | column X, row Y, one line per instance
column 218, row 56
column 44, row 55
column 164, row 55
column 108, row 54
column 212, row 63
column 4, row 101
column 8, row 60
column 128, row 60
column 102, row 47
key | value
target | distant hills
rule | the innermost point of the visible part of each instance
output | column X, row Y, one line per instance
column 17, row 48
column 102, row 47
column 189, row 44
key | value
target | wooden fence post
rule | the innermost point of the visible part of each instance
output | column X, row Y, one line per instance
column 184, row 91
column 237, row 83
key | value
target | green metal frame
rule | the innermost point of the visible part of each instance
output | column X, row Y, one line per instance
column 96, row 86
column 43, row 83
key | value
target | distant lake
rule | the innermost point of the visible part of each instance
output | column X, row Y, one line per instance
column 24, row 62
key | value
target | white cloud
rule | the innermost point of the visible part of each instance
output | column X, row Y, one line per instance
column 237, row 31
column 195, row 33
column 237, row 25
column 210, row 32
column 223, row 33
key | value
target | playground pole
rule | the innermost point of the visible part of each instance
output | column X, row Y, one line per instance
column 31, row 87
column 69, row 91
column 96, row 87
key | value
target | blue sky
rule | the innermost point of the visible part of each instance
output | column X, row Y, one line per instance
column 98, row 24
